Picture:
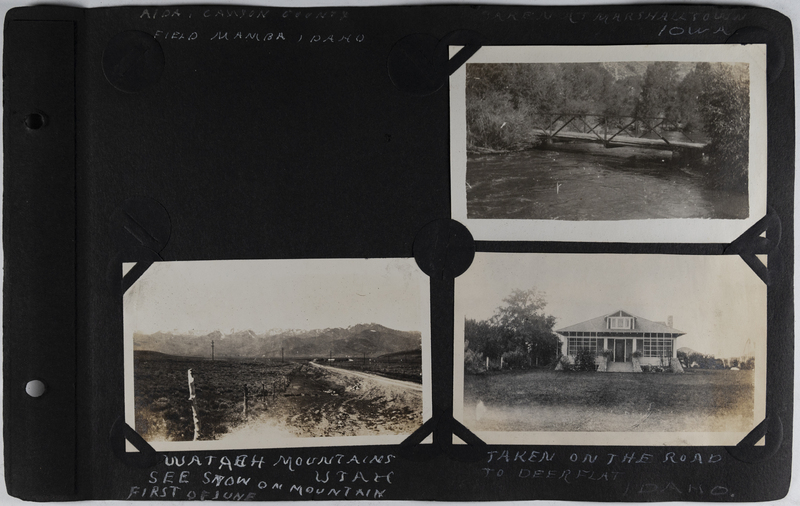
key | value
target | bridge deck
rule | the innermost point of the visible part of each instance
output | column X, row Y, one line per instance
column 625, row 140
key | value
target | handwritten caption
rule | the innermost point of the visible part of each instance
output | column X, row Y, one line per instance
column 667, row 23
column 251, row 35
column 623, row 469
column 251, row 477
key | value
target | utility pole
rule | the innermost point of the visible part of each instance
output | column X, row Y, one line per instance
column 212, row 350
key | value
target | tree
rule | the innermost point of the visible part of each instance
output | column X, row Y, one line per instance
column 689, row 90
column 483, row 338
column 724, row 104
column 526, row 326
column 659, row 93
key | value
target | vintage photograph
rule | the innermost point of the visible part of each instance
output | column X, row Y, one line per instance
column 610, row 349
column 608, row 135
column 277, row 353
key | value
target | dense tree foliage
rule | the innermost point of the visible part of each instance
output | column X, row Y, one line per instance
column 519, row 331
column 507, row 102
column 724, row 106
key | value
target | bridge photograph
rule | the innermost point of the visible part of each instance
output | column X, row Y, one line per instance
column 607, row 140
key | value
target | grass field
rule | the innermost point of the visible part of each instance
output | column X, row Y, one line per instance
column 286, row 399
column 696, row 401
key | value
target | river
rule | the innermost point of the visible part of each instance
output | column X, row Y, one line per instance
column 589, row 182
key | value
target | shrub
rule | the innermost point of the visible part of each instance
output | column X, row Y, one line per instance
column 493, row 122
column 515, row 359
column 637, row 354
column 474, row 362
column 566, row 365
column 585, row 360
column 160, row 404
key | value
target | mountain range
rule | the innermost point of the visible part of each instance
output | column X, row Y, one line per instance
column 370, row 339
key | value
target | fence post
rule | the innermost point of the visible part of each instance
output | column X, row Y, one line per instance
column 487, row 363
column 244, row 411
column 193, row 398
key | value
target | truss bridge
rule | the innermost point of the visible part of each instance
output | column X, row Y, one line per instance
column 615, row 131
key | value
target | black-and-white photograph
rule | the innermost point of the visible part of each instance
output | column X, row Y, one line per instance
column 610, row 349
column 277, row 353
column 615, row 137
column 607, row 140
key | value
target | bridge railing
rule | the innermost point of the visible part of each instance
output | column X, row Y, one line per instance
column 607, row 127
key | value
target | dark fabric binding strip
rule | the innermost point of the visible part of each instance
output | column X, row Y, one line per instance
column 40, row 336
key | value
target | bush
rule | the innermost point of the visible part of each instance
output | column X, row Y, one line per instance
column 493, row 123
column 160, row 404
column 474, row 363
column 515, row 359
column 566, row 365
column 585, row 360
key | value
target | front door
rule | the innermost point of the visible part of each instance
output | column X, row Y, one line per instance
column 619, row 350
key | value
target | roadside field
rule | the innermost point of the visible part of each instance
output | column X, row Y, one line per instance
column 696, row 401
column 284, row 399
column 407, row 369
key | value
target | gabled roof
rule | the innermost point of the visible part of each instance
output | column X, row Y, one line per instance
column 599, row 325
column 621, row 313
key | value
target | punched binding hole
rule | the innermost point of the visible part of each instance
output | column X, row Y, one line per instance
column 34, row 121
column 35, row 388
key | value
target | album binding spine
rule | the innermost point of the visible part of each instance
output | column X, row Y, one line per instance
column 40, row 252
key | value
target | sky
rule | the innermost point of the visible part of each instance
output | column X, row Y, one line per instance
column 718, row 301
column 259, row 295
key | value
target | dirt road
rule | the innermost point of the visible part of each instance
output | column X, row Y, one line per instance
column 379, row 379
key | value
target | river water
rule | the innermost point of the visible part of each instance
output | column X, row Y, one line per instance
column 589, row 182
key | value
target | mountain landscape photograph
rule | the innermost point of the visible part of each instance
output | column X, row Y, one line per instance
column 358, row 340
column 236, row 354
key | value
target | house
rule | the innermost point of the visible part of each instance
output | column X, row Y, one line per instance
column 622, row 334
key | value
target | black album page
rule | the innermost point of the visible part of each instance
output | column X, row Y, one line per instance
column 450, row 252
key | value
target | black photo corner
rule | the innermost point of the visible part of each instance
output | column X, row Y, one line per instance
column 399, row 252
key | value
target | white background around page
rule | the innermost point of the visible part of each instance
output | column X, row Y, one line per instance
column 790, row 8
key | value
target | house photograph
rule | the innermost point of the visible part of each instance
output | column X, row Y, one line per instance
column 631, row 341
column 611, row 349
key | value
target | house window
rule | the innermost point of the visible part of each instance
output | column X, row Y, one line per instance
column 576, row 344
column 656, row 347
column 620, row 323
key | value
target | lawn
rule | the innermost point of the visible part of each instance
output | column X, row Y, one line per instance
column 696, row 401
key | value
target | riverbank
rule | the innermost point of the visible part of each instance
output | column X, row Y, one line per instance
column 589, row 148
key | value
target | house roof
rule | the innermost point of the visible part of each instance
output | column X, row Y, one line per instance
column 642, row 325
